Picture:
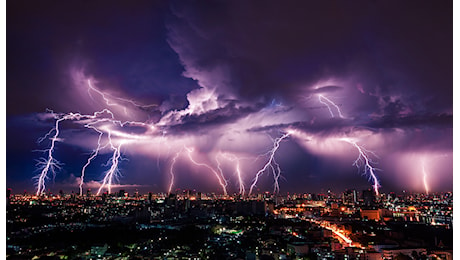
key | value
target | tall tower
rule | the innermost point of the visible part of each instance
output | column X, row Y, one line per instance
column 349, row 197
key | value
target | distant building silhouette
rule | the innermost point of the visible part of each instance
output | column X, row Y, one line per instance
column 349, row 197
column 8, row 196
column 368, row 198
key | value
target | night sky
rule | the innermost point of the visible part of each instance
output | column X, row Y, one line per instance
column 217, row 82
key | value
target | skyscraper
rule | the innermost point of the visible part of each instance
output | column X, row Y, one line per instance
column 349, row 197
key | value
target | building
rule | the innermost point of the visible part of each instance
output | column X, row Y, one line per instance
column 298, row 248
column 349, row 197
column 447, row 255
column 411, row 252
column 370, row 214
column 368, row 198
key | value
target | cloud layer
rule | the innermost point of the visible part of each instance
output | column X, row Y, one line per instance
column 231, row 77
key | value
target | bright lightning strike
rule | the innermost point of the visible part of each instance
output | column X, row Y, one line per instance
column 113, row 171
column 321, row 97
column 109, row 99
column 425, row 176
column 93, row 155
column 113, row 134
column 234, row 158
column 98, row 122
column 223, row 183
column 271, row 164
column 364, row 159
column 171, row 172
column 50, row 163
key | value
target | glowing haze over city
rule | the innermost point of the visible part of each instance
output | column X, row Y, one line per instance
column 229, row 96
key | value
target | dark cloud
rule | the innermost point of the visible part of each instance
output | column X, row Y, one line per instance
column 326, row 89
column 419, row 121
column 204, row 123
column 326, row 127
column 227, row 75
column 270, row 49
column 121, row 44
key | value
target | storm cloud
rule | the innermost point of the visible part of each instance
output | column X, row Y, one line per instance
column 201, row 80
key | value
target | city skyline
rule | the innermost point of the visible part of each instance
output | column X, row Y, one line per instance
column 270, row 226
column 229, row 97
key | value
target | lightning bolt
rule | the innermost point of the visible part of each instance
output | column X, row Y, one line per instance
column 425, row 163
column 223, row 183
column 106, row 97
column 50, row 164
column 321, row 97
column 238, row 173
column 111, row 134
column 425, row 176
column 271, row 164
column 171, row 172
column 105, row 124
column 93, row 155
column 219, row 169
column 109, row 99
column 113, row 171
column 233, row 158
column 364, row 159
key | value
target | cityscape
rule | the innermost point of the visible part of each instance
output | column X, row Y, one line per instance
column 195, row 225
column 229, row 129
